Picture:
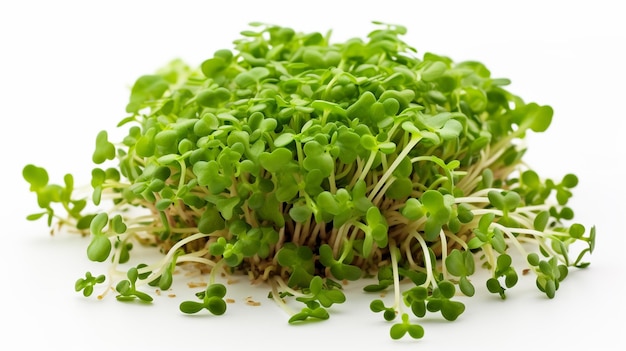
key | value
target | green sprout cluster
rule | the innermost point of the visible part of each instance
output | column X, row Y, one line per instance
column 304, row 163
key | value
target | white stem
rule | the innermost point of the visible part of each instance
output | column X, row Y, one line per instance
column 444, row 253
column 427, row 262
column 393, row 166
column 396, row 276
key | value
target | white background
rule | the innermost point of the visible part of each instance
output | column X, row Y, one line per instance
column 65, row 71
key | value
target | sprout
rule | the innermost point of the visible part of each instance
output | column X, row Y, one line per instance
column 300, row 162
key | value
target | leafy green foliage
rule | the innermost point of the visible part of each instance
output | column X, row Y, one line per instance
column 296, row 161
column 399, row 330
column 315, row 312
column 484, row 234
column 385, row 279
column 503, row 269
column 549, row 273
column 438, row 300
column 377, row 306
column 338, row 269
column 461, row 264
column 300, row 260
column 318, row 297
column 326, row 296
column 100, row 247
column 50, row 194
column 127, row 289
column 86, row 284
column 212, row 300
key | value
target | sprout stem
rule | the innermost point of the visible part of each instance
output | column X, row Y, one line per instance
column 410, row 145
column 444, row 253
column 427, row 262
column 393, row 252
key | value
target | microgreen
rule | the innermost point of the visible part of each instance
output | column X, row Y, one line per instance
column 438, row 300
column 549, row 273
column 461, row 264
column 300, row 260
column 339, row 269
column 326, row 296
column 127, row 289
column 398, row 330
column 86, row 284
column 377, row 306
column 212, row 300
column 304, row 163
column 502, row 269
column 315, row 312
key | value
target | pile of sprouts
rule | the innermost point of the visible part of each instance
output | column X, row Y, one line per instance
column 304, row 164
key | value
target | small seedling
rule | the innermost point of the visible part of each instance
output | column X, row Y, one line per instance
column 212, row 300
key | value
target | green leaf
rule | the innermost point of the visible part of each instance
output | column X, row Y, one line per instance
column 451, row 310
column 318, row 158
column 412, row 209
column 369, row 142
column 105, row 150
column 433, row 70
column 466, row 287
column 301, row 213
column 146, row 88
column 118, row 225
column 331, row 107
column 377, row 306
column 284, row 139
column 35, row 216
column 503, row 262
column 570, row 181
column 166, row 279
column 146, row 145
column 338, row 269
column 216, row 305
column 300, row 260
column 438, row 213
column 327, row 202
column 360, row 109
column 541, row 220
column 496, row 199
column 400, row 188
column 451, row 130
column 210, row 175
column 511, row 200
column 460, row 263
column 253, row 76
column 318, row 313
column 210, row 221
column 533, row 116
column 277, row 160
column 446, row 288
column 213, row 97
column 99, row 248
column 576, row 230
column 98, row 223
column 399, row 330
column 191, row 307
column 211, row 67
column 494, row 287
column 533, row 259
column 36, row 176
